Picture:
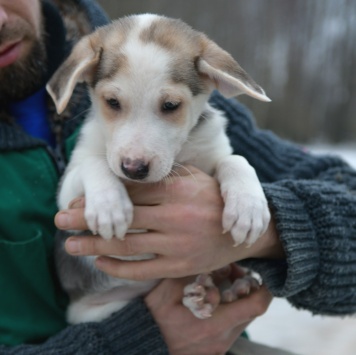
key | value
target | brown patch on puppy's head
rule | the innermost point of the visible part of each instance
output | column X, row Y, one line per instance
column 196, row 58
column 183, row 43
column 113, row 38
column 94, row 58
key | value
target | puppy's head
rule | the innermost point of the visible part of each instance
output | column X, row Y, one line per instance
column 149, row 79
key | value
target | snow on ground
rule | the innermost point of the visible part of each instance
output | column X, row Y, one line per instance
column 299, row 331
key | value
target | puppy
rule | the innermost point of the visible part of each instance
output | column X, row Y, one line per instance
column 149, row 78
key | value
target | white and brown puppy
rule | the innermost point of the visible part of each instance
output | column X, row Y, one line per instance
column 150, row 78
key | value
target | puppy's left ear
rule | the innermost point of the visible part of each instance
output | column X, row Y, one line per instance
column 226, row 74
column 78, row 67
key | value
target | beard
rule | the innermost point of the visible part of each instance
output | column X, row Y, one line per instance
column 27, row 74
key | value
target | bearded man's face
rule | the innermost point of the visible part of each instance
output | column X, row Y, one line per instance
column 22, row 49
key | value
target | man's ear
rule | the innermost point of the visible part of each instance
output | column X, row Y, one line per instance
column 78, row 67
column 225, row 73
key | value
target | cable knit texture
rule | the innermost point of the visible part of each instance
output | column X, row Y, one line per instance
column 313, row 200
column 131, row 331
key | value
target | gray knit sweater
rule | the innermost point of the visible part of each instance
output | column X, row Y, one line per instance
column 313, row 200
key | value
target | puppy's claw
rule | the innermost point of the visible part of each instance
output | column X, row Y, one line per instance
column 109, row 212
column 248, row 221
column 195, row 295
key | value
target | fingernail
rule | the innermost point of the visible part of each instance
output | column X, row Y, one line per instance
column 62, row 220
column 77, row 203
column 73, row 246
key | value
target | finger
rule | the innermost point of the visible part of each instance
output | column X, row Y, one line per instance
column 144, row 218
column 244, row 310
column 157, row 193
column 154, row 195
column 148, row 217
column 78, row 202
column 147, row 194
column 139, row 270
column 229, row 273
column 72, row 219
column 134, row 244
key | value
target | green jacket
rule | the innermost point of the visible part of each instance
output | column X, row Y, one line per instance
column 32, row 304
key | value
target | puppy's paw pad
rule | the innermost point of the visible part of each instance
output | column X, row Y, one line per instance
column 195, row 296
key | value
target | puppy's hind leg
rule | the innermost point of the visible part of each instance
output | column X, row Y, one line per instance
column 84, row 310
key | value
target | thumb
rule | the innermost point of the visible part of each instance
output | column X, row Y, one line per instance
column 244, row 310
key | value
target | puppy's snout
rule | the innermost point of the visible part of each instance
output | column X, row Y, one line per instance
column 135, row 169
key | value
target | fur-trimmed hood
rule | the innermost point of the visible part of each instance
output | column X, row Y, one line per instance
column 80, row 17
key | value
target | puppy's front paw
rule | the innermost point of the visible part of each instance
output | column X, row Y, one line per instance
column 246, row 215
column 109, row 212
column 196, row 297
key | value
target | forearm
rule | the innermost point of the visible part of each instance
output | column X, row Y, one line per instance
column 316, row 225
column 315, row 222
column 130, row 331
column 313, row 202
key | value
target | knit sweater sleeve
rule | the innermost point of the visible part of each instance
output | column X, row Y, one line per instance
column 313, row 201
column 131, row 331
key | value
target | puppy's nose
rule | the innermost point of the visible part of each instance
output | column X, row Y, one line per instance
column 135, row 169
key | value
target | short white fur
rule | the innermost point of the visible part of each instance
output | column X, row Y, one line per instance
column 141, row 132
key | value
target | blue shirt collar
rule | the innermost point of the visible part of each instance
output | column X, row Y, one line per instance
column 31, row 114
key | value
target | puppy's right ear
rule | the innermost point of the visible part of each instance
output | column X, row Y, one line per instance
column 78, row 67
column 225, row 73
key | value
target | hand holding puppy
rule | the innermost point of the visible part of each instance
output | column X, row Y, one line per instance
column 185, row 334
column 183, row 219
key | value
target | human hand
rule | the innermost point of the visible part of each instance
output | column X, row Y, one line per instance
column 183, row 218
column 185, row 334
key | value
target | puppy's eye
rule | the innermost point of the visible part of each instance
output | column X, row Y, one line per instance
column 170, row 106
column 113, row 103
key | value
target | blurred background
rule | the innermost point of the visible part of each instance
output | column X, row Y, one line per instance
column 303, row 53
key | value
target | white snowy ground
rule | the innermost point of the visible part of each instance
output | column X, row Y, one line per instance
column 298, row 331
